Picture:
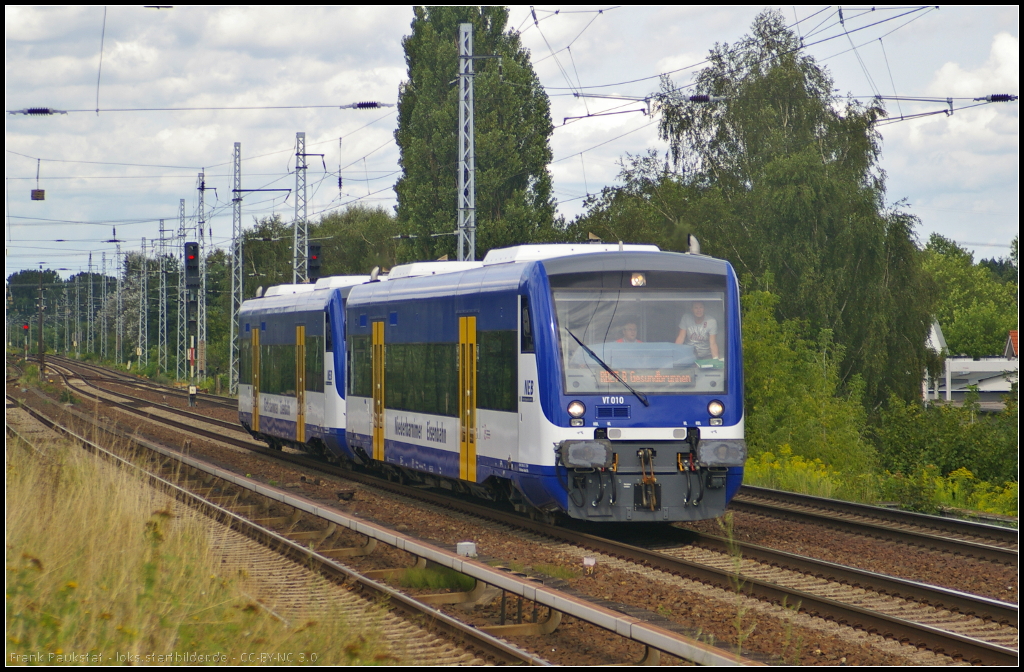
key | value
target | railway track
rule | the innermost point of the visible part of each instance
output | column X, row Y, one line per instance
column 278, row 565
column 963, row 537
column 229, row 500
column 940, row 612
column 967, row 538
column 102, row 373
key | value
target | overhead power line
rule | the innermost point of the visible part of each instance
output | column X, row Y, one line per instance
column 46, row 111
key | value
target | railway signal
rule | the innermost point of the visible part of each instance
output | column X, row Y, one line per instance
column 192, row 265
column 313, row 262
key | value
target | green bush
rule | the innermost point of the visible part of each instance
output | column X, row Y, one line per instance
column 911, row 436
column 793, row 393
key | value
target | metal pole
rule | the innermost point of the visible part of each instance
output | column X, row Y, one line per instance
column 236, row 270
column 161, row 335
column 467, row 160
column 143, row 342
column 42, row 346
column 67, row 321
column 300, row 240
column 180, row 370
column 103, row 309
column 119, row 319
column 90, row 314
column 201, row 303
column 78, row 314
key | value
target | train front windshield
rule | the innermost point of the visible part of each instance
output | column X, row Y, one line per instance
column 659, row 340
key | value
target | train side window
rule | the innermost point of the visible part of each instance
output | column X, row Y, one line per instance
column 497, row 371
column 526, row 344
column 314, row 364
column 360, row 366
column 245, row 360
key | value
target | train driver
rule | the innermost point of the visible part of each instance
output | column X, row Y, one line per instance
column 700, row 331
column 629, row 334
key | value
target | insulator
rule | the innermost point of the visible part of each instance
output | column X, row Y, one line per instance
column 366, row 105
column 38, row 110
column 701, row 98
column 1002, row 98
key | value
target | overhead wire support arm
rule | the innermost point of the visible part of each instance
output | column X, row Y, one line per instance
column 697, row 98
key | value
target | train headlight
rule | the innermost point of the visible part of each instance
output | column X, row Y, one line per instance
column 638, row 280
column 715, row 409
column 576, row 409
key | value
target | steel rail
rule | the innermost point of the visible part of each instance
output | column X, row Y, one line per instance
column 133, row 402
column 103, row 373
column 629, row 627
column 930, row 541
column 935, row 639
column 963, row 547
column 461, row 632
column 995, row 533
column 937, row 596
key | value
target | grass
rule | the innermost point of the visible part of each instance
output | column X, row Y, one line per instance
column 437, row 578
column 557, row 571
column 101, row 570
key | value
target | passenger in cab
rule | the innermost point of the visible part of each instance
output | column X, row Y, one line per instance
column 629, row 334
column 700, row 331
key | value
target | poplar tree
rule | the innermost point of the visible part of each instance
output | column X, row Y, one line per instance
column 513, row 126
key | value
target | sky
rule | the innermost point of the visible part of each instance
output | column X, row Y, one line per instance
column 114, row 175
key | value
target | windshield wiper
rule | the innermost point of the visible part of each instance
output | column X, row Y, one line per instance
column 639, row 395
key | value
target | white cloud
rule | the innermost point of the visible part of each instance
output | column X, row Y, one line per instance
column 999, row 74
column 234, row 56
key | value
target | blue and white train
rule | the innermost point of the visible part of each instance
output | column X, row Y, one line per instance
column 601, row 382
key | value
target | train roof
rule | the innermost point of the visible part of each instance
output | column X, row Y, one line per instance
column 423, row 268
column 504, row 270
column 302, row 297
column 525, row 253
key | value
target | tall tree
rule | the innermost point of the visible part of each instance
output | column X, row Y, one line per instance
column 356, row 239
column 782, row 178
column 513, row 125
column 975, row 309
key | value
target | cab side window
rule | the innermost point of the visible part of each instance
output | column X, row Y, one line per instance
column 526, row 344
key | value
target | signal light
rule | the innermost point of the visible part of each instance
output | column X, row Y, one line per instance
column 313, row 262
column 192, row 265
column 25, row 327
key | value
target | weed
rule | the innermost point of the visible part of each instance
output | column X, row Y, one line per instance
column 99, row 564
column 742, row 631
column 437, row 578
column 792, row 649
column 557, row 571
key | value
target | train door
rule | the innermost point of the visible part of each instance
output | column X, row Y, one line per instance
column 378, row 390
column 300, row 383
column 467, row 398
column 255, row 379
